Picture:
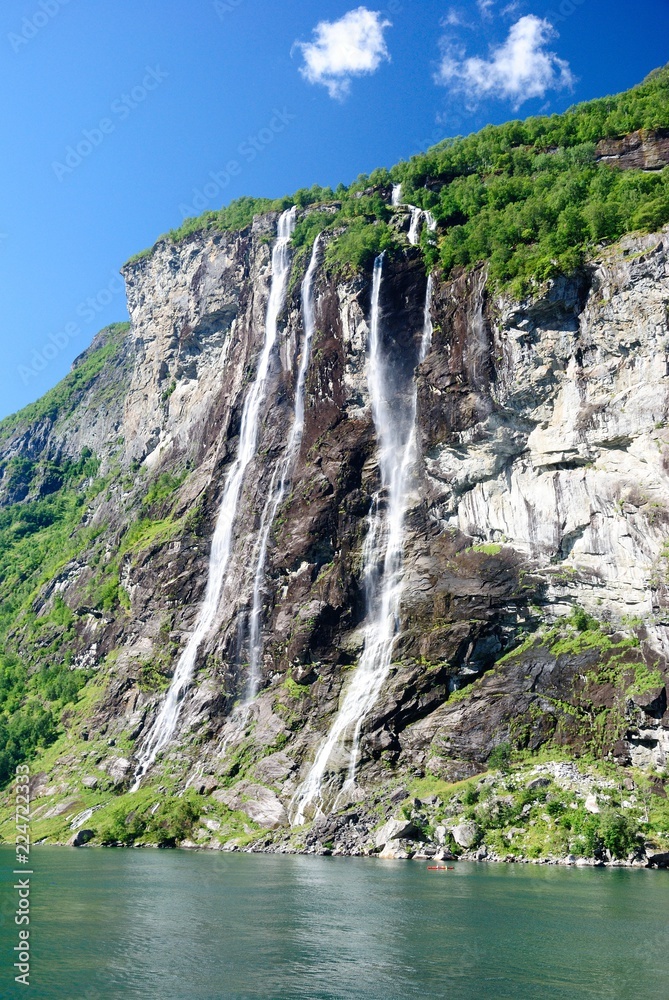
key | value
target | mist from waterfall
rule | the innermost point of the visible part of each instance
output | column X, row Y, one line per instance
column 383, row 551
column 165, row 723
column 281, row 476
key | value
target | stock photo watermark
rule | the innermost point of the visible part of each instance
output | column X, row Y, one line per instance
column 565, row 10
column 248, row 150
column 86, row 312
column 23, row 872
column 223, row 7
column 121, row 109
column 31, row 26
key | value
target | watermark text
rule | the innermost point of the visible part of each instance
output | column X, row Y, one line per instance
column 121, row 109
column 23, row 871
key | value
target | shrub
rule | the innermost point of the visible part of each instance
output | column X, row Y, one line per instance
column 618, row 834
column 358, row 245
column 500, row 757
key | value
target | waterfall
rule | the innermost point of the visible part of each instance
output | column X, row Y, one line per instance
column 280, row 477
column 382, row 554
column 166, row 721
column 414, row 228
column 418, row 215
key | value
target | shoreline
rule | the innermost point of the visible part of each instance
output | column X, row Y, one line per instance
column 647, row 863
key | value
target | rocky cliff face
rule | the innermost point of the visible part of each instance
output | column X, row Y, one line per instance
column 542, row 486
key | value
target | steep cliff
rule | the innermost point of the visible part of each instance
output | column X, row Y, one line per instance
column 531, row 618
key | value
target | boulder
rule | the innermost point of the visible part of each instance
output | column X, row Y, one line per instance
column 205, row 786
column 657, row 860
column 259, row 803
column 82, row 837
column 264, row 808
column 539, row 783
column 118, row 769
column 395, row 829
column 465, row 834
column 228, row 797
column 590, row 803
column 399, row 795
column 395, row 851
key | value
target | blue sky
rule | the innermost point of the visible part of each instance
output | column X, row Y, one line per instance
column 161, row 94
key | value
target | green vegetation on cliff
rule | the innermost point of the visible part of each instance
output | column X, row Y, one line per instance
column 64, row 397
column 529, row 197
column 43, row 528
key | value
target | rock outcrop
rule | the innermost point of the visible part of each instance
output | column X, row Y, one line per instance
column 647, row 149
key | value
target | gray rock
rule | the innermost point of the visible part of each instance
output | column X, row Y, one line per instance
column 395, row 829
column 399, row 795
column 274, row 769
column 539, row 783
column 259, row 803
column 118, row 769
column 60, row 809
column 395, row 850
column 465, row 834
column 265, row 809
column 205, row 786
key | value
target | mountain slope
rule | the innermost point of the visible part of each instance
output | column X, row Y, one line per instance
column 533, row 578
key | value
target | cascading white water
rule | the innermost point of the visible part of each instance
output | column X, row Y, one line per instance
column 417, row 216
column 280, row 477
column 414, row 228
column 166, row 721
column 382, row 557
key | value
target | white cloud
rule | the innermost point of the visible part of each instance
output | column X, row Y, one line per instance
column 353, row 46
column 485, row 6
column 453, row 19
column 517, row 70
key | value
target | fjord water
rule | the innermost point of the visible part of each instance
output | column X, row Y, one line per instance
column 174, row 925
column 221, row 547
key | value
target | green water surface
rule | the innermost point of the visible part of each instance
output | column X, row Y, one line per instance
column 175, row 925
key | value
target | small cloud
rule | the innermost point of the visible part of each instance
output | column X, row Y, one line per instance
column 340, row 50
column 511, row 9
column 485, row 7
column 453, row 19
column 517, row 70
